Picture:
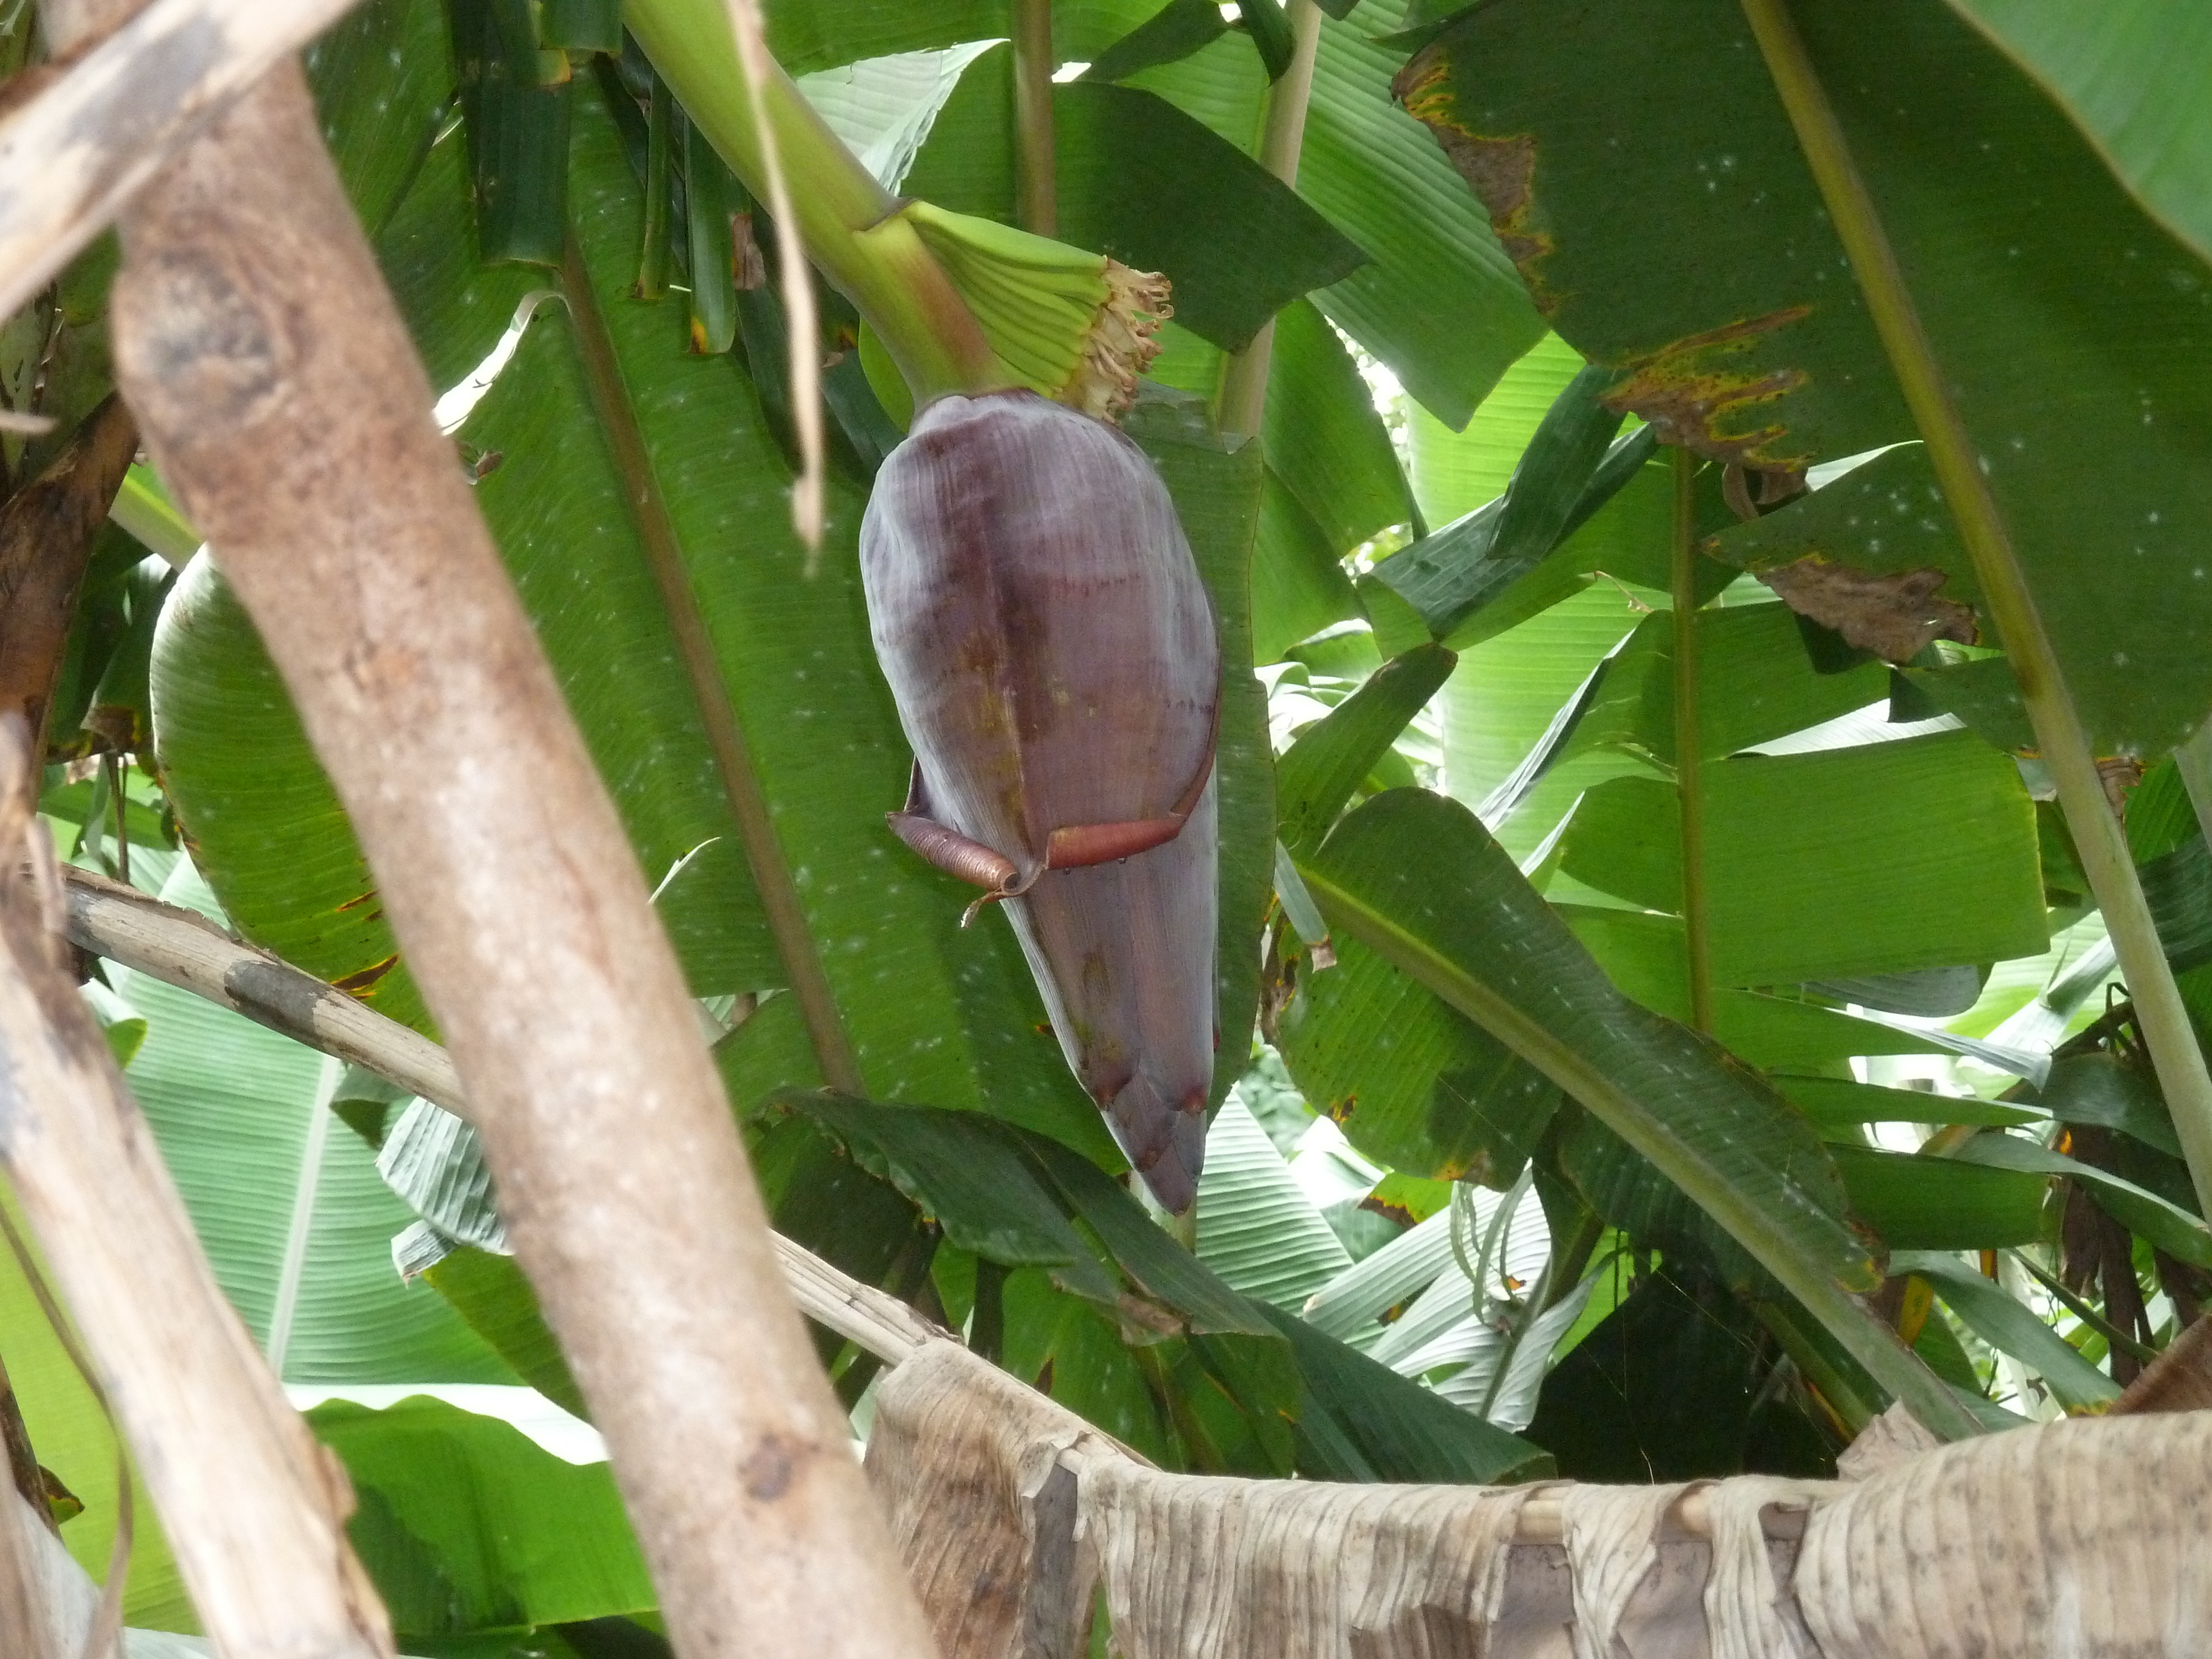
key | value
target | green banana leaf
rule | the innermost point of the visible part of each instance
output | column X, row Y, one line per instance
column 1411, row 1081
column 1922, row 1203
column 1985, row 1308
column 1256, row 1228
column 1325, row 439
column 466, row 1524
column 1749, row 338
column 1320, row 773
column 1447, row 577
column 816, row 34
column 1141, row 181
column 1455, row 470
column 1436, row 300
column 2126, row 76
column 1405, row 1433
column 1482, row 940
column 1875, row 860
column 382, row 76
column 1756, row 683
column 295, row 1220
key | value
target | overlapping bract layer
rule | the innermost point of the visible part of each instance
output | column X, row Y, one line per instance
column 1050, row 646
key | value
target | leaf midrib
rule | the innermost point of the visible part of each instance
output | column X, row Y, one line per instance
column 1873, row 1343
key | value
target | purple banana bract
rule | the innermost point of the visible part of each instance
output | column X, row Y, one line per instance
column 1052, row 652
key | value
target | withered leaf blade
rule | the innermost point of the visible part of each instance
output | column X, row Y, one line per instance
column 1895, row 614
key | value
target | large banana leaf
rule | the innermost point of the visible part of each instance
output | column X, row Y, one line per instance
column 1435, row 301
column 1875, row 860
column 1755, row 684
column 1255, row 1227
column 1485, row 943
column 1454, row 471
column 382, row 76
column 1353, row 1420
column 72, row 1439
column 1747, row 337
column 2128, row 77
column 1507, row 690
column 288, row 1203
column 2003, row 1323
column 465, row 1525
column 1139, row 179
column 814, row 35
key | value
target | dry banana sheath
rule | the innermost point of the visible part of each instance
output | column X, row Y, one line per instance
column 1052, row 652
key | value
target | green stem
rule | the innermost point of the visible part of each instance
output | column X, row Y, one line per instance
column 660, row 152
column 1852, row 1408
column 1689, row 759
column 2059, row 735
column 847, row 220
column 2194, row 761
column 2141, row 1352
column 664, row 554
column 1037, row 180
column 1244, row 387
column 1867, row 1338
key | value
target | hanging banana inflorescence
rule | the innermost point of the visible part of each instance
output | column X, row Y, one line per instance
column 1052, row 652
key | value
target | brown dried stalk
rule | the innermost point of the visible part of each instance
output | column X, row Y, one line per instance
column 256, row 1511
column 2081, row 1535
column 184, row 949
column 47, row 532
column 281, row 396
column 91, row 137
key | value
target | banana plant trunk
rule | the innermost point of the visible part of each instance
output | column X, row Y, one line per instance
column 283, row 402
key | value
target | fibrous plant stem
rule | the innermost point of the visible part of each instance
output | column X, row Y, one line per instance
column 1244, row 387
column 1689, row 768
column 1869, row 1340
column 1037, row 191
column 664, row 554
column 354, row 543
column 659, row 153
column 848, row 221
column 761, row 72
column 2194, row 761
column 256, row 1526
column 2059, row 735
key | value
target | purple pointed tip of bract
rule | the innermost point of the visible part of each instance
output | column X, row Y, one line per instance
column 1176, row 1143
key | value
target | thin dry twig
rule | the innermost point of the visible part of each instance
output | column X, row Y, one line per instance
column 184, row 949
column 283, row 400
column 806, row 329
column 256, row 1511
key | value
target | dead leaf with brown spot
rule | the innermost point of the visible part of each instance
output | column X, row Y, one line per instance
column 1894, row 614
column 2119, row 773
column 363, row 981
column 1501, row 171
column 1689, row 391
column 1781, row 484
